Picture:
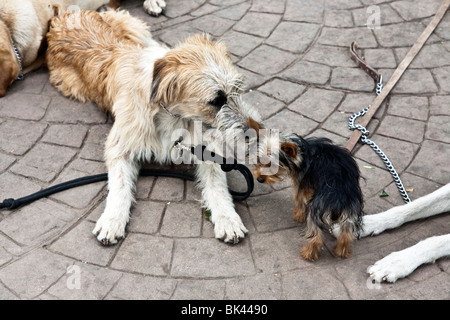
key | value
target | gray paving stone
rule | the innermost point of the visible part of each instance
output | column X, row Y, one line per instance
column 146, row 217
column 300, row 36
column 136, row 287
column 299, row 285
column 353, row 79
column 338, row 18
column 94, row 283
column 5, row 161
column 416, row 81
column 416, row 9
column 62, row 109
column 24, row 106
column 270, row 6
column 355, row 102
column 273, row 211
column 282, row 90
column 401, row 34
column 436, row 170
column 290, row 122
column 167, row 189
column 438, row 128
column 257, row 23
column 380, row 58
column 394, row 127
column 399, row 152
column 34, row 273
column 266, row 106
column 239, row 43
column 443, row 78
column 94, row 145
column 329, row 55
column 211, row 258
column 37, row 222
column 214, row 25
column 259, row 287
column 317, row 104
column 44, row 162
column 305, row 11
column 188, row 6
column 430, row 56
column 66, row 135
column 308, row 72
column 182, row 220
column 439, row 105
column 150, row 255
column 18, row 136
column 276, row 252
column 199, row 290
column 267, row 60
column 80, row 244
column 409, row 107
column 234, row 12
column 344, row 37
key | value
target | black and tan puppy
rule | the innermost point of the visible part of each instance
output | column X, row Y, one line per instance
column 326, row 188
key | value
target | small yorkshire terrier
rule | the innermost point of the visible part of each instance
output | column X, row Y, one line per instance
column 326, row 187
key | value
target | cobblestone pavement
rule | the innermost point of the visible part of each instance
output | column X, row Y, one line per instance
column 294, row 56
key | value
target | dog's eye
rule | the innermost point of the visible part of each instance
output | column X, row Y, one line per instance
column 220, row 100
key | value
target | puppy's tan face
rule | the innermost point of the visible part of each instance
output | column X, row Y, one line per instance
column 197, row 80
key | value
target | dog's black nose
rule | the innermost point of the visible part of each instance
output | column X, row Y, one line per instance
column 260, row 179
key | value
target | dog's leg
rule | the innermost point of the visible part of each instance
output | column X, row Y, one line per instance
column 401, row 263
column 426, row 206
column 154, row 7
column 213, row 183
column 344, row 241
column 311, row 251
column 122, row 175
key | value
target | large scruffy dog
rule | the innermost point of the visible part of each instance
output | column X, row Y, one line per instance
column 23, row 25
column 111, row 59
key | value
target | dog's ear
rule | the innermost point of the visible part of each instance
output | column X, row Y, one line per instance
column 290, row 149
column 8, row 72
column 165, row 88
column 253, row 124
column 158, row 68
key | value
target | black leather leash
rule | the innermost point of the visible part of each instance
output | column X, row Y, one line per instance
column 200, row 151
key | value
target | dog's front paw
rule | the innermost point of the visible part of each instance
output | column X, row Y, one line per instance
column 229, row 228
column 154, row 7
column 391, row 268
column 109, row 231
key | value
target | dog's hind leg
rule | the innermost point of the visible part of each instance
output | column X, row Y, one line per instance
column 311, row 251
column 213, row 183
column 344, row 241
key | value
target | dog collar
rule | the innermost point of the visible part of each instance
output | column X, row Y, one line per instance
column 20, row 77
column 167, row 110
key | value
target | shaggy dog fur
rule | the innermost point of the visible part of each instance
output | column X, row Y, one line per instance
column 111, row 59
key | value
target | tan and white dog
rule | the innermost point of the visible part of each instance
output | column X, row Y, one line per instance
column 152, row 91
column 23, row 25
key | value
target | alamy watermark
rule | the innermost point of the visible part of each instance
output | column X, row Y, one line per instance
column 374, row 17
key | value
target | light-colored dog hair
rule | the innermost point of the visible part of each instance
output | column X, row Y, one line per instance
column 26, row 21
column 111, row 59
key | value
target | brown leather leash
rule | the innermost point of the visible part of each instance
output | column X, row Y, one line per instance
column 397, row 73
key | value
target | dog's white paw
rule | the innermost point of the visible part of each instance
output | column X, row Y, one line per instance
column 372, row 225
column 109, row 230
column 392, row 267
column 154, row 7
column 229, row 228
